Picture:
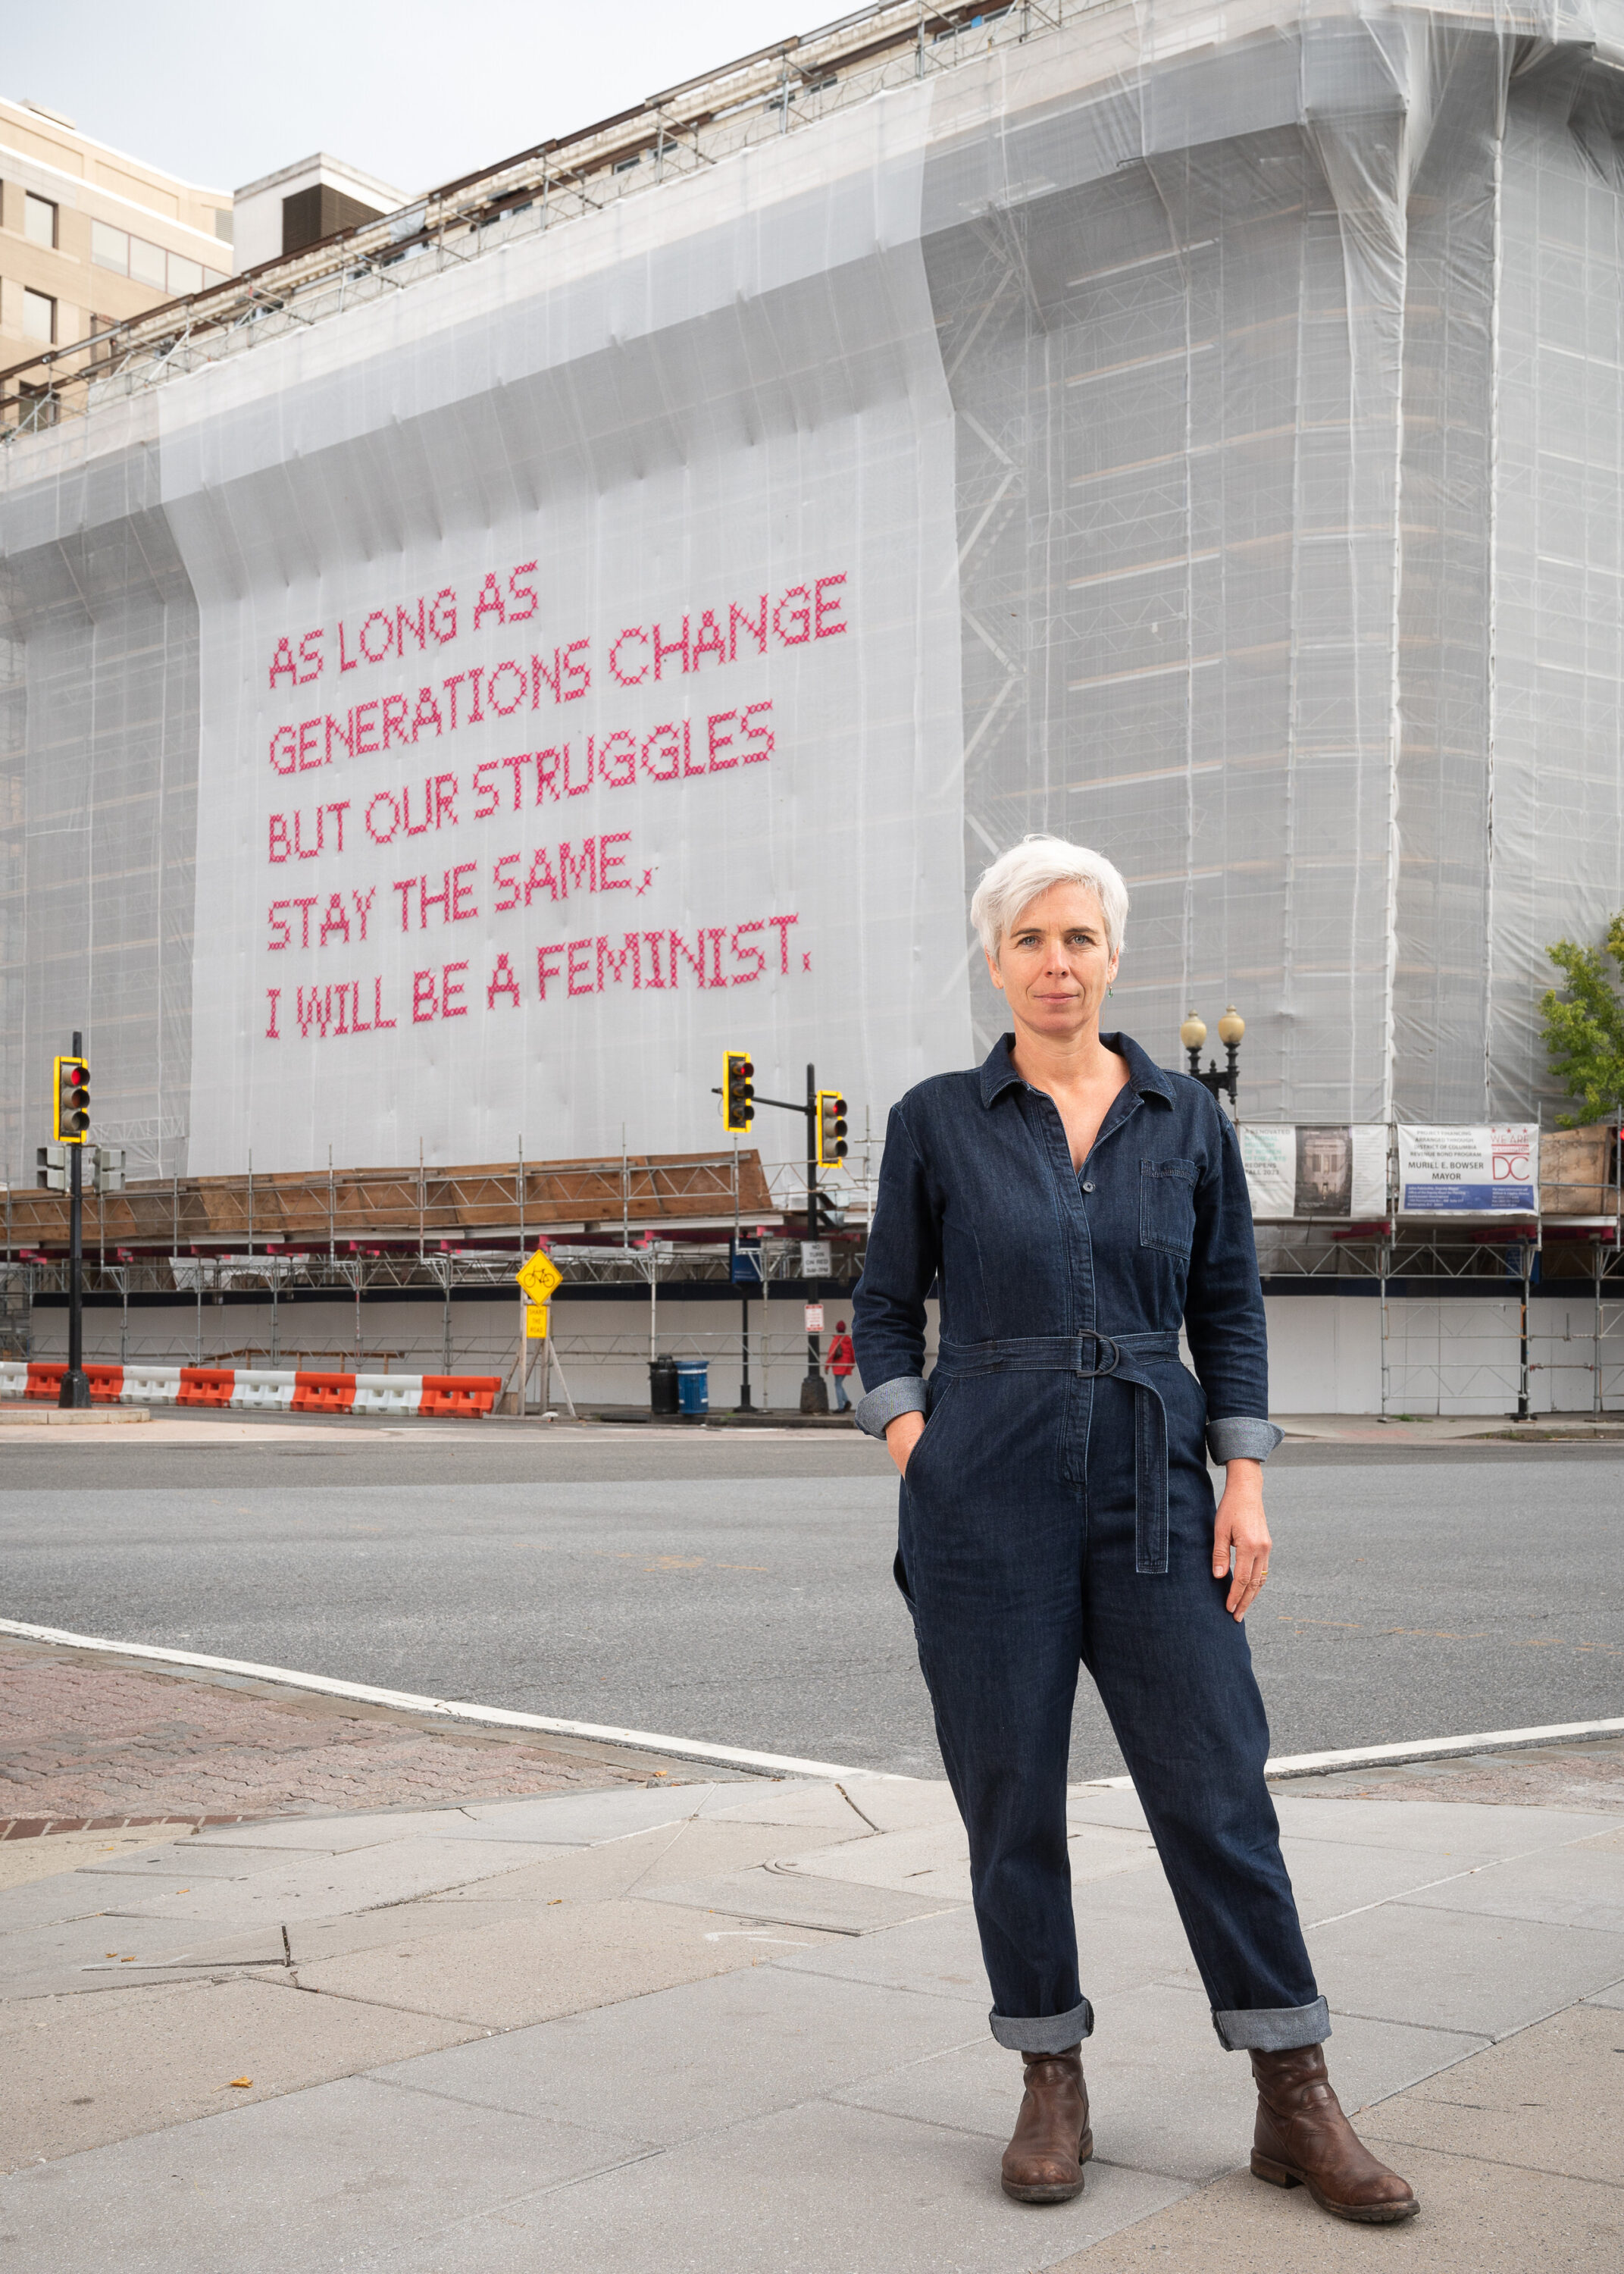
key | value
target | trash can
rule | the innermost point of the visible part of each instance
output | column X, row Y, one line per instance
column 662, row 1385
column 694, row 1385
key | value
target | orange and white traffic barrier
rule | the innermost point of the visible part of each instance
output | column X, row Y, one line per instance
column 458, row 1396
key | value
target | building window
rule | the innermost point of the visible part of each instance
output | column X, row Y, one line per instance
column 38, row 220
column 148, row 264
column 39, row 316
column 110, row 248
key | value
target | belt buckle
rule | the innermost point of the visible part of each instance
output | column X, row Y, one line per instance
column 1099, row 1372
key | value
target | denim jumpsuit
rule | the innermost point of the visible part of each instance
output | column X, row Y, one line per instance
column 1057, row 1509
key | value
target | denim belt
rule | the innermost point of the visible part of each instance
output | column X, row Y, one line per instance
column 1096, row 1357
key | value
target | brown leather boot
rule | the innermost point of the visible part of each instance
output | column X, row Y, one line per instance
column 1303, row 2140
column 1044, row 2160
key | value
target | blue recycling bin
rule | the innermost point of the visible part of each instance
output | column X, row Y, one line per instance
column 694, row 1385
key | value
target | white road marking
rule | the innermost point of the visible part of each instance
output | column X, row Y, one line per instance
column 496, row 1716
column 1408, row 1749
column 692, row 1748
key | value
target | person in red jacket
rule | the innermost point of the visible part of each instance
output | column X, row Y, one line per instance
column 841, row 1365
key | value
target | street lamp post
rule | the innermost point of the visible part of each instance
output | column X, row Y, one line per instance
column 1231, row 1027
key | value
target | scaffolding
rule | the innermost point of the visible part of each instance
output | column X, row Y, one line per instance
column 670, row 1227
column 1193, row 393
column 774, row 91
column 1568, row 1247
column 366, row 1237
column 339, row 1208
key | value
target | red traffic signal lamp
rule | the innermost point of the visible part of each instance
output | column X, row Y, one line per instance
column 72, row 1113
column 831, row 1145
column 737, row 1090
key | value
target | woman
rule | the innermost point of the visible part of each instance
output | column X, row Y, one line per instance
column 1075, row 1202
column 841, row 1366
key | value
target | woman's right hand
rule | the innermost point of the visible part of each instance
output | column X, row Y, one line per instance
column 901, row 1436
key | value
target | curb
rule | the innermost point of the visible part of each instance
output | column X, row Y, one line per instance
column 780, row 1764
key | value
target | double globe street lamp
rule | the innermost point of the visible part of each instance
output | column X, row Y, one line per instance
column 1193, row 1034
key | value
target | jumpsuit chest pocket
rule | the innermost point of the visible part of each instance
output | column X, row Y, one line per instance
column 1167, row 1206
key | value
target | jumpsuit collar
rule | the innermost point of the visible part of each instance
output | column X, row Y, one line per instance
column 1145, row 1078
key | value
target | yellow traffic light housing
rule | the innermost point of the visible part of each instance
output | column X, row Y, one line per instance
column 737, row 1090
column 831, row 1145
column 71, row 1125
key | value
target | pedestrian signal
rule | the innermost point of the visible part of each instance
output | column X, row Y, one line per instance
column 72, row 1101
column 737, row 1090
column 831, row 1129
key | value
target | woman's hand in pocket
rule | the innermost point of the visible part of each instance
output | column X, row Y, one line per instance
column 901, row 1436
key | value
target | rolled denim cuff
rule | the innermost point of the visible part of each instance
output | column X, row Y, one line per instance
column 906, row 1394
column 1241, row 1437
column 1053, row 2033
column 1273, row 2029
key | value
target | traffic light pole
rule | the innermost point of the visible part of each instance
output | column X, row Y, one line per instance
column 814, row 1390
column 75, row 1390
column 744, row 1350
column 825, row 1112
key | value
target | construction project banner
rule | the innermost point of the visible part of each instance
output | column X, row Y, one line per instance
column 1336, row 1172
column 1470, row 1172
column 580, row 686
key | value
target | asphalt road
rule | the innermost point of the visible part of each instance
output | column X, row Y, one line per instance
column 739, row 1591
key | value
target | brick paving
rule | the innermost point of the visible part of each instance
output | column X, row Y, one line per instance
column 91, row 1743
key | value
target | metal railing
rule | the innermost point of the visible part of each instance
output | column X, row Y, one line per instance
column 363, row 1237
column 774, row 91
column 351, row 1210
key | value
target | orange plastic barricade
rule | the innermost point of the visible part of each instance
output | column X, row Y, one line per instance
column 467, row 1395
column 205, row 1385
column 107, row 1385
column 323, row 1393
column 45, row 1382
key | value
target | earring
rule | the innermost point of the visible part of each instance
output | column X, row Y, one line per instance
column 1110, row 987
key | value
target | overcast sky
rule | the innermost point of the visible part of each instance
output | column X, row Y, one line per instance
column 413, row 93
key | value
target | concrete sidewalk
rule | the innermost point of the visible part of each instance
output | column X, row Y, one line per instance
column 1438, row 1430
column 742, row 2026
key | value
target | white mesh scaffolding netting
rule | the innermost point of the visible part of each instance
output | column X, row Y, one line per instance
column 1201, row 433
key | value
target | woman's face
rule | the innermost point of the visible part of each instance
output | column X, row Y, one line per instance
column 1053, row 963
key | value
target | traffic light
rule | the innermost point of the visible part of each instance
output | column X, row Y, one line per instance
column 737, row 1090
column 51, row 1168
column 831, row 1129
column 73, row 1102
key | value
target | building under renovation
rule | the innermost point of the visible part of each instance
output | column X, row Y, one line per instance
column 462, row 678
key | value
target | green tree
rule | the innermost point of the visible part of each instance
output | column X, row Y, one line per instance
column 1584, row 1033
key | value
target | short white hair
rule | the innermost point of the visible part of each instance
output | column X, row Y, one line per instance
column 1017, row 878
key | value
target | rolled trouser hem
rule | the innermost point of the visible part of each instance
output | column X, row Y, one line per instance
column 1273, row 2029
column 1050, row 2033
